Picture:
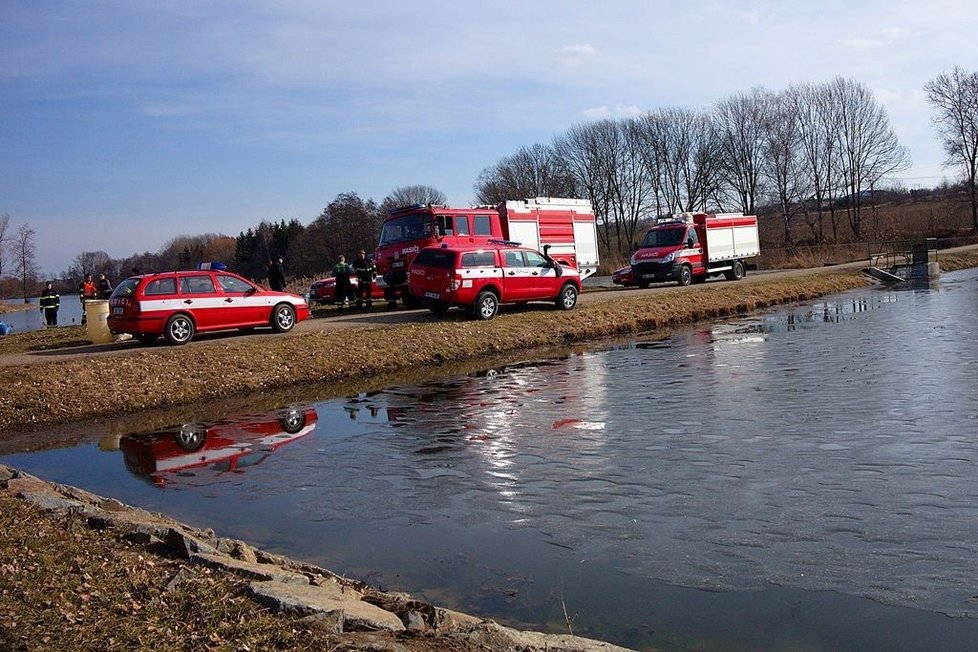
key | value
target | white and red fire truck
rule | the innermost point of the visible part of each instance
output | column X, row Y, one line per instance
column 563, row 228
column 695, row 246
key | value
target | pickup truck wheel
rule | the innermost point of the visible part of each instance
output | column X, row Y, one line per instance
column 486, row 306
column 179, row 329
column 685, row 276
column 567, row 298
column 283, row 318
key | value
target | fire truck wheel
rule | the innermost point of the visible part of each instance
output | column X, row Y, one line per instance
column 685, row 276
column 486, row 306
column 737, row 272
column 283, row 318
column 567, row 298
column 179, row 329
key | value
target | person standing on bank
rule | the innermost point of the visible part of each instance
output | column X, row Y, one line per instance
column 87, row 291
column 342, row 271
column 366, row 273
column 50, row 302
column 104, row 287
column 276, row 274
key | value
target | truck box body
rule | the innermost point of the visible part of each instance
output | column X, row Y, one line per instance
column 563, row 228
column 696, row 246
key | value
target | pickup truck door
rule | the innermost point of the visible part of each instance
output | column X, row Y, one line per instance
column 544, row 282
column 517, row 278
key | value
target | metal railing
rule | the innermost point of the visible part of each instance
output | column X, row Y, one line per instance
column 893, row 253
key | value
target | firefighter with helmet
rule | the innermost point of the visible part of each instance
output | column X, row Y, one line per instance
column 87, row 291
column 366, row 272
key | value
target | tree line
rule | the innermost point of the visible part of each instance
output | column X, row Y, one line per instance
column 811, row 155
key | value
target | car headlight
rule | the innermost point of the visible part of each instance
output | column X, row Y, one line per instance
column 668, row 258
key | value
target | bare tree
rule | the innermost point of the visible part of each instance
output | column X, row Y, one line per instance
column 782, row 158
column 535, row 171
column 584, row 150
column 813, row 109
column 954, row 97
column 90, row 262
column 411, row 195
column 25, row 267
column 868, row 148
column 683, row 155
column 740, row 126
column 4, row 239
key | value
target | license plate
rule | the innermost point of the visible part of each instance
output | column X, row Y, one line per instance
column 397, row 263
column 432, row 295
column 648, row 275
column 118, row 310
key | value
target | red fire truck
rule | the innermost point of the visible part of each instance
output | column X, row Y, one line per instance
column 563, row 228
column 695, row 246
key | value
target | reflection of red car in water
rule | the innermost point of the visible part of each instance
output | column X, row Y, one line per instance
column 224, row 446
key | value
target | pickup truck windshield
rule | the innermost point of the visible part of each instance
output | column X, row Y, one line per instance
column 413, row 226
column 664, row 237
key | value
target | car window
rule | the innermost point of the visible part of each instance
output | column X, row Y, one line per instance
column 478, row 259
column 197, row 285
column 233, row 284
column 126, row 288
column 443, row 258
column 535, row 259
column 514, row 258
column 161, row 286
column 482, row 225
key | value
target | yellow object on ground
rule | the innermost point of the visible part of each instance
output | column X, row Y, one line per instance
column 96, row 316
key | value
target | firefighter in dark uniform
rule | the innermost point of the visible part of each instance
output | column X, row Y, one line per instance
column 50, row 302
column 366, row 273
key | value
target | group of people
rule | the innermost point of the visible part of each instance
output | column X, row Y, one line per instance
column 88, row 290
column 365, row 271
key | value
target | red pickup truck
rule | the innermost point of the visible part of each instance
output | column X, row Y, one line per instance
column 481, row 277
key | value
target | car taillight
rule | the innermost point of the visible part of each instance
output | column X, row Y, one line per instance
column 455, row 283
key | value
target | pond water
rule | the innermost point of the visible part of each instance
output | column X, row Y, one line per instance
column 32, row 319
column 805, row 478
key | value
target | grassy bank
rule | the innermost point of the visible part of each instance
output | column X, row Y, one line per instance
column 92, row 386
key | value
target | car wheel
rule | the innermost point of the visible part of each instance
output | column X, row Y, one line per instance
column 146, row 338
column 179, row 329
column 567, row 298
column 293, row 420
column 685, row 276
column 191, row 436
column 283, row 318
column 486, row 306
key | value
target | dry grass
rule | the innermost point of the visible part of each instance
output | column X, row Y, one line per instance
column 66, row 586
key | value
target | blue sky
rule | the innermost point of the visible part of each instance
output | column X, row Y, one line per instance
column 124, row 124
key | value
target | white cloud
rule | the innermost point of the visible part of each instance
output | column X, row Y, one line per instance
column 862, row 43
column 573, row 55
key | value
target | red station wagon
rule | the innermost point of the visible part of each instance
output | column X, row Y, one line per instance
column 176, row 305
column 482, row 277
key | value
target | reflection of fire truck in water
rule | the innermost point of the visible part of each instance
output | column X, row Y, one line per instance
column 563, row 228
column 224, row 446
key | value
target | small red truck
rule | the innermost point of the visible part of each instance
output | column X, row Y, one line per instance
column 480, row 277
column 695, row 246
column 562, row 228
